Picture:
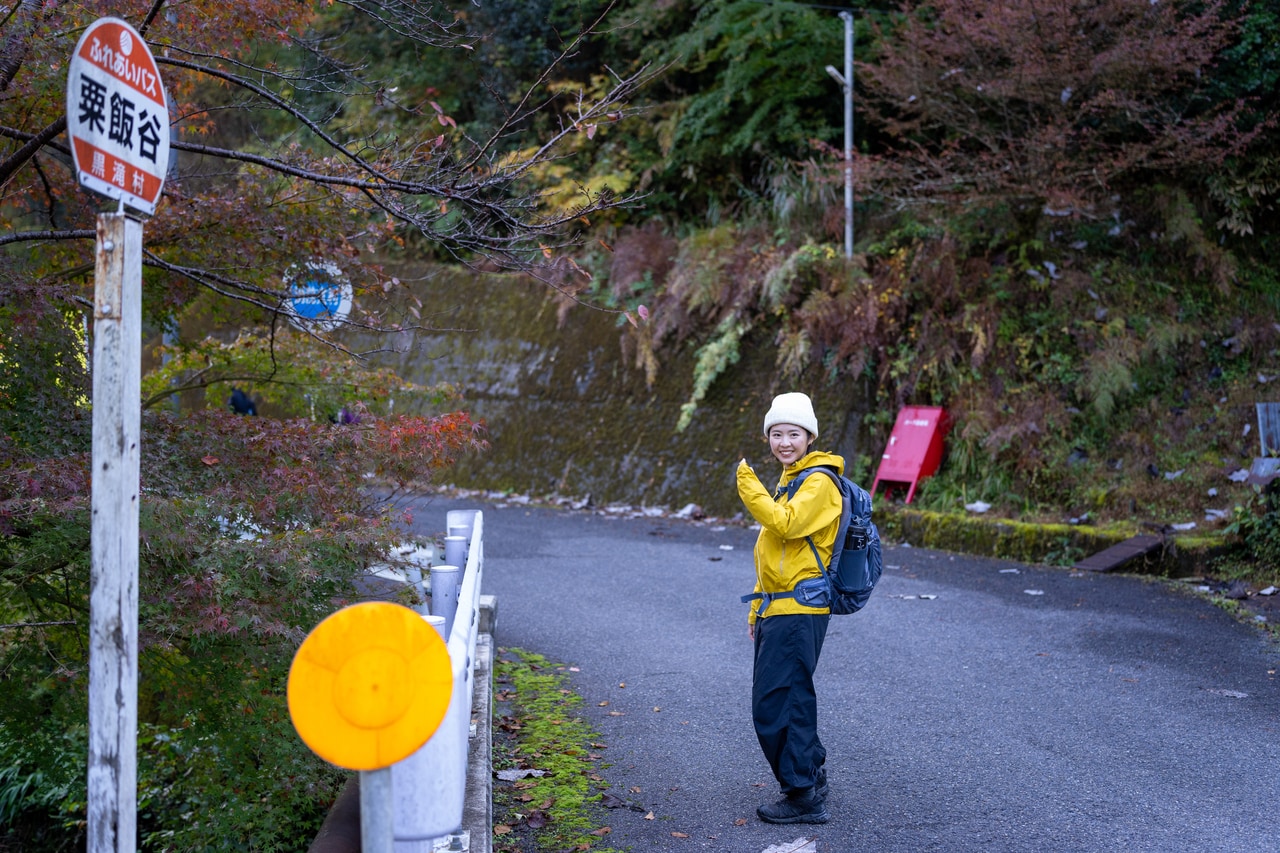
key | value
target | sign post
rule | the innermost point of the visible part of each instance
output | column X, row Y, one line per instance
column 113, row 597
column 118, row 126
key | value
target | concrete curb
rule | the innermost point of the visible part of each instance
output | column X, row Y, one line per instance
column 477, row 808
column 1036, row 543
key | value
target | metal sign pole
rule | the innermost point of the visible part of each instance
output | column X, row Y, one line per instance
column 113, row 598
column 377, row 823
column 848, row 133
column 846, row 86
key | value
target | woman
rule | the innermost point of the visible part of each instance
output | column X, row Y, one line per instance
column 787, row 626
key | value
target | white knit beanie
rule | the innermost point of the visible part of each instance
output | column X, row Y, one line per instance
column 793, row 408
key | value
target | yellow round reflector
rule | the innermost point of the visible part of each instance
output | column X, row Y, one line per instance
column 369, row 685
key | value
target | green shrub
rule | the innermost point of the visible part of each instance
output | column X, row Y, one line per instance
column 1255, row 526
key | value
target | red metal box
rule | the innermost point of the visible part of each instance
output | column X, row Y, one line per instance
column 914, row 450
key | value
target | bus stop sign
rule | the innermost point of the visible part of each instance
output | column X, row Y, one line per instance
column 117, row 115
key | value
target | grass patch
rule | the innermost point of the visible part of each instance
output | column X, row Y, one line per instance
column 552, row 801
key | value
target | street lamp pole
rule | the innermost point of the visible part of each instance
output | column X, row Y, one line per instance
column 846, row 83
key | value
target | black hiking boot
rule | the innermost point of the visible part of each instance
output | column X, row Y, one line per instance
column 820, row 787
column 799, row 807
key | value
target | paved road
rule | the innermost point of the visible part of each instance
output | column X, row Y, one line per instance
column 1021, row 709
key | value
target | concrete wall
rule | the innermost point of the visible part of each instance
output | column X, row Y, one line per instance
column 568, row 415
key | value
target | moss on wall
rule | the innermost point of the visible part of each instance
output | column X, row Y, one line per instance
column 568, row 415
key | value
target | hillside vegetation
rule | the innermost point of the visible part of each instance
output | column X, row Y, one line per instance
column 1065, row 219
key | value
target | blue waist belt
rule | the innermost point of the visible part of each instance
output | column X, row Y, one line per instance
column 811, row 593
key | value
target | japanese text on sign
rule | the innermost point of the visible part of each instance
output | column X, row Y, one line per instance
column 117, row 116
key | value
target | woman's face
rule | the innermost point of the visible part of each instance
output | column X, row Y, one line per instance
column 788, row 442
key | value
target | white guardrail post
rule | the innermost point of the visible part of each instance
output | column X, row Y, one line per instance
column 430, row 785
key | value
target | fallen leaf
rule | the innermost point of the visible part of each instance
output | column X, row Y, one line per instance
column 742, row 821
column 604, row 704
column 656, row 709
column 209, row 460
column 679, row 835
column 649, row 816
column 602, row 831
column 537, row 819
column 609, row 801
column 634, row 789
column 617, row 713
column 501, row 829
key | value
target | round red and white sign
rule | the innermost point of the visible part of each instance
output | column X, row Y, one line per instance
column 117, row 115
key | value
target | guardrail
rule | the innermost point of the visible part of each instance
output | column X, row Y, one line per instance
column 427, row 790
column 430, row 785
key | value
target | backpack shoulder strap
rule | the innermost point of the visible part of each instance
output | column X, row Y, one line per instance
column 790, row 489
column 843, row 523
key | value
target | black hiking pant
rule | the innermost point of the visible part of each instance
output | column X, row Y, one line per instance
column 784, row 705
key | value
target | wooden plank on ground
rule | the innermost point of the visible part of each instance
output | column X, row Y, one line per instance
column 1119, row 554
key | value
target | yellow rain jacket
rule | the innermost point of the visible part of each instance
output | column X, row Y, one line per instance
column 782, row 557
